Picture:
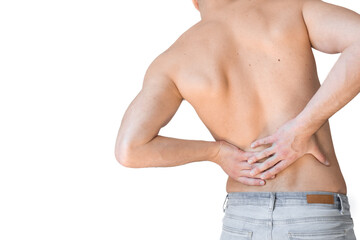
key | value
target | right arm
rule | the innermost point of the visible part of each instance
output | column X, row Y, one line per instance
column 332, row 29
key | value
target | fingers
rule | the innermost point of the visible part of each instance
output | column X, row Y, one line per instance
column 275, row 170
column 263, row 141
column 247, row 155
column 254, row 181
column 246, row 179
column 246, row 173
column 246, row 166
column 265, row 153
column 265, row 165
column 251, row 181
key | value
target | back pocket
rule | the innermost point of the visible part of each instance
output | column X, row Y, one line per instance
column 230, row 233
column 328, row 235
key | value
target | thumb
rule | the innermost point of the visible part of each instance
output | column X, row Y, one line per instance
column 320, row 156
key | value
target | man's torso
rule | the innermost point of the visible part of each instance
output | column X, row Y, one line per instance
column 248, row 70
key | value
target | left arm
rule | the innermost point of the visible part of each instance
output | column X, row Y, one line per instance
column 138, row 144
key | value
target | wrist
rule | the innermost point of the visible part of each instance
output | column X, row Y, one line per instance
column 302, row 126
column 215, row 158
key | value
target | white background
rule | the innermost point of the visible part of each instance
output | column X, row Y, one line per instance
column 68, row 71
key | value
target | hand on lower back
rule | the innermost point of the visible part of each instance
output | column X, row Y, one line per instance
column 288, row 145
column 234, row 162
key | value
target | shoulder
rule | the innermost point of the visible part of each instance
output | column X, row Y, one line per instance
column 160, row 75
column 161, row 66
column 188, row 42
column 198, row 37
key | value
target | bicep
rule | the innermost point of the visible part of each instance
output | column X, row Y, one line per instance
column 151, row 109
column 331, row 28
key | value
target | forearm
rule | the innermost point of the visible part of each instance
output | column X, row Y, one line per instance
column 340, row 87
column 168, row 152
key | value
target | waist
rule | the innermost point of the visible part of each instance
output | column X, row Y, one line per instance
column 286, row 200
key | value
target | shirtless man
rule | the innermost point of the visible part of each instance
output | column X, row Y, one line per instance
column 248, row 70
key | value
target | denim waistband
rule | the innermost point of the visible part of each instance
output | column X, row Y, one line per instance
column 284, row 199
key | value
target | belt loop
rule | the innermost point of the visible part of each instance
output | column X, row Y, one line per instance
column 272, row 201
column 225, row 202
column 341, row 204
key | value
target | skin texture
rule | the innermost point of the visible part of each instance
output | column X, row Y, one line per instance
column 249, row 72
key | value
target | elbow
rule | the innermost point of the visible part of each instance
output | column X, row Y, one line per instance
column 123, row 155
column 121, row 158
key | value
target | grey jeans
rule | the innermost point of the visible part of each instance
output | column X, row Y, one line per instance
column 286, row 216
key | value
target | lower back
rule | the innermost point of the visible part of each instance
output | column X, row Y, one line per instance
column 305, row 174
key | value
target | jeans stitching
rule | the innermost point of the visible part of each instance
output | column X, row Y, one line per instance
column 344, row 219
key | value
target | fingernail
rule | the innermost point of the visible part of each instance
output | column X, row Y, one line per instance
column 252, row 145
column 262, row 183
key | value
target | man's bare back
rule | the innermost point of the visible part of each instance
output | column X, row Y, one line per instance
column 246, row 69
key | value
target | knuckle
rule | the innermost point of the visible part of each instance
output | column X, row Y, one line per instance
column 272, row 171
column 286, row 152
column 269, row 153
column 270, row 176
column 276, row 170
column 255, row 165
column 267, row 164
column 251, row 160
column 276, row 149
column 262, row 167
column 282, row 154
column 265, row 175
column 260, row 175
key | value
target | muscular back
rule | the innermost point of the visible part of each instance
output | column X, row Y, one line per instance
column 247, row 70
